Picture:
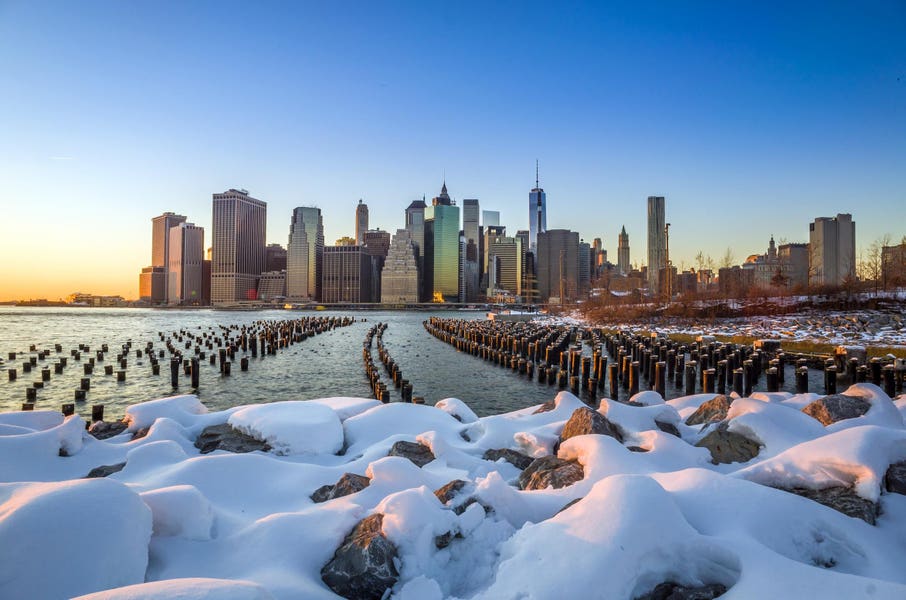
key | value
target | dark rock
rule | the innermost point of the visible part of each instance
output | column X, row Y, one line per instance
column 546, row 407
column 636, row 449
column 674, row 591
column 569, row 504
column 712, row 411
column 895, row 479
column 584, row 421
column 550, row 471
column 140, row 433
column 837, row 407
column 668, row 428
column 728, row 447
column 103, row 430
column 517, row 459
column 446, row 493
column 363, row 566
column 417, row 453
column 841, row 499
column 224, row 437
column 349, row 483
column 105, row 470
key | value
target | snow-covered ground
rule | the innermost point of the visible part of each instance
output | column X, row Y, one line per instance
column 633, row 505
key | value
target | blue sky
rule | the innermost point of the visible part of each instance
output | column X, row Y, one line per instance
column 751, row 118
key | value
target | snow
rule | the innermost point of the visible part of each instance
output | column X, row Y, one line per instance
column 177, row 524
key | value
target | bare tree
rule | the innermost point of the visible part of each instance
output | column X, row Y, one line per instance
column 728, row 259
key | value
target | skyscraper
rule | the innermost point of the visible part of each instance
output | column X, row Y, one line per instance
column 558, row 265
column 470, row 215
column 442, row 248
column 505, row 264
column 537, row 213
column 415, row 225
column 238, row 239
column 275, row 258
column 832, row 250
column 657, row 242
column 303, row 254
column 400, row 280
column 623, row 252
column 361, row 222
column 185, row 277
column 490, row 217
column 160, row 255
column 347, row 274
column 376, row 247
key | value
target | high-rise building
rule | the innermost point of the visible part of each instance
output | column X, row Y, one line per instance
column 584, row 267
column 537, row 213
column 657, row 242
column 558, row 265
column 415, row 225
column 400, row 281
column 832, row 247
column 274, row 257
column 361, row 222
column 303, row 254
column 491, row 232
column 152, row 285
column 893, row 265
column 793, row 259
column 185, row 277
column 272, row 286
column 505, row 263
column 623, row 252
column 160, row 237
column 442, row 248
column 377, row 245
column 238, row 240
column 490, row 218
column 470, row 230
column 347, row 275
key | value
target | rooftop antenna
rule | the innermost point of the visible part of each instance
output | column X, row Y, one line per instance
column 537, row 187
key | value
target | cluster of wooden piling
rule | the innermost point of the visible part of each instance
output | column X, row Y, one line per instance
column 378, row 387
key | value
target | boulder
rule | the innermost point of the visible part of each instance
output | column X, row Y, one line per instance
column 517, row 459
column 670, row 590
column 585, row 421
column 668, row 428
column 728, row 447
column 224, row 437
column 837, row 407
column 105, row 470
column 417, row 453
column 550, row 471
column 712, row 411
column 448, row 491
column 103, row 430
column 841, row 499
column 895, row 479
column 363, row 566
column 546, row 407
column 349, row 483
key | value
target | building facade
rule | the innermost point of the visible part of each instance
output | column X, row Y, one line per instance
column 415, row 225
column 505, row 257
column 347, row 275
column 623, row 265
column 537, row 213
column 400, row 280
column 441, row 273
column 304, row 254
column 832, row 247
column 361, row 222
column 152, row 285
column 470, row 229
column 893, row 266
column 272, row 286
column 657, row 241
column 185, row 276
column 238, row 240
column 274, row 257
column 558, row 265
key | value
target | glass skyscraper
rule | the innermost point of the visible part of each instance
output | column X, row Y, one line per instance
column 537, row 214
column 303, row 254
column 442, row 248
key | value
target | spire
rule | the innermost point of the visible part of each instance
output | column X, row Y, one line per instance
column 623, row 232
column 443, row 190
column 537, row 178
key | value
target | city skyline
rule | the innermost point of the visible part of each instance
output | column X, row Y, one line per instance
column 764, row 120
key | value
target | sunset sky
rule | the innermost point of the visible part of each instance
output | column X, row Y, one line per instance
column 751, row 118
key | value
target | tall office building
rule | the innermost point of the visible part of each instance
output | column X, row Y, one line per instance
column 657, row 242
column 491, row 233
column 470, row 230
column 303, row 254
column 490, row 218
column 377, row 245
column 347, row 275
column 832, row 249
column 361, row 222
column 558, row 265
column 623, row 252
column 274, row 257
column 505, row 257
column 185, row 276
column 537, row 213
column 160, row 237
column 584, row 267
column 152, row 285
column 400, row 279
column 442, row 248
column 238, row 239
column 415, row 225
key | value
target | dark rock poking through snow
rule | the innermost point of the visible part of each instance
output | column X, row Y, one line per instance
column 550, row 471
column 712, row 411
column 105, row 470
column 584, row 421
column 668, row 428
column 728, row 447
column 349, row 483
column 546, row 407
column 517, row 459
column 895, row 479
column 103, row 430
column 831, row 409
column 224, row 437
column 674, row 591
column 417, row 453
column 842, row 499
column 446, row 492
column 363, row 566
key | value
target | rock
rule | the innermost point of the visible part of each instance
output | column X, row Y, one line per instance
column 636, row 449
column 668, row 428
column 363, row 566
column 728, row 447
column 895, row 479
column 546, row 407
column 349, row 483
column 712, row 411
column 837, row 407
column 224, row 437
column 584, row 421
column 140, row 433
column 417, row 453
column 572, row 502
column 103, row 430
column 105, row 470
column 550, row 471
column 841, row 499
column 517, row 459
column 446, row 493
column 674, row 591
